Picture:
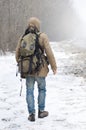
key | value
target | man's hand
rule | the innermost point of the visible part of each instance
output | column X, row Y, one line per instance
column 55, row 72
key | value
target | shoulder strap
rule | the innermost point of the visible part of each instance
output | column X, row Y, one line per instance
column 28, row 30
column 37, row 41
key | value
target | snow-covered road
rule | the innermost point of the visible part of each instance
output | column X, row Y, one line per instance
column 65, row 100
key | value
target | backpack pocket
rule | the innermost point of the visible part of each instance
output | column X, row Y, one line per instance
column 29, row 65
column 23, row 66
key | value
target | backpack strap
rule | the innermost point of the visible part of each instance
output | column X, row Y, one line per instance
column 37, row 42
column 29, row 30
column 39, row 50
column 30, row 65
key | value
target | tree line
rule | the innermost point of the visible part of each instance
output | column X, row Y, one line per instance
column 57, row 19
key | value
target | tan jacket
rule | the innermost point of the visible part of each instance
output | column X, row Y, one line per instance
column 44, row 42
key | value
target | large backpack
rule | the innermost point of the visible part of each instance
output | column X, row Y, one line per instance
column 31, row 53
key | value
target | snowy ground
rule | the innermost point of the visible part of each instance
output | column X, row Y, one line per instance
column 65, row 101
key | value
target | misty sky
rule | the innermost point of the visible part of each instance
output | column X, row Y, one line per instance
column 80, row 7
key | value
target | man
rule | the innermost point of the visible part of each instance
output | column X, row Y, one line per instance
column 40, row 77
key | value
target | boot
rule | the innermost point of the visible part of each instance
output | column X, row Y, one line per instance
column 42, row 114
column 31, row 117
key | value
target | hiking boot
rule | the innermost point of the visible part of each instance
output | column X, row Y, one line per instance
column 42, row 114
column 31, row 117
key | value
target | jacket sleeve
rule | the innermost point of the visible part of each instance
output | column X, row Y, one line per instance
column 49, row 52
column 17, row 50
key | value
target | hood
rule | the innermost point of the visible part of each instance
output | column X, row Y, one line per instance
column 34, row 22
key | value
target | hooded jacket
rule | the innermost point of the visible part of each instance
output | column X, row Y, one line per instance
column 44, row 42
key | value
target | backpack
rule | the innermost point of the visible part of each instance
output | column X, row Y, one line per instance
column 31, row 53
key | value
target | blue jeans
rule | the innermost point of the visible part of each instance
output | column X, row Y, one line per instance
column 30, row 81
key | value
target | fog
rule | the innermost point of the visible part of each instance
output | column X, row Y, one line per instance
column 79, row 7
column 60, row 20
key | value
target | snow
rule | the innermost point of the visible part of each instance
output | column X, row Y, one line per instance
column 65, row 99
